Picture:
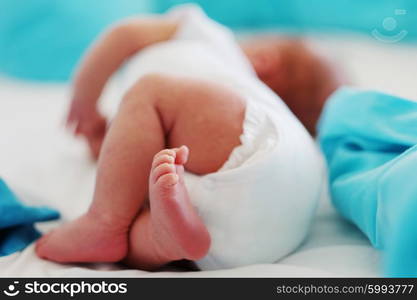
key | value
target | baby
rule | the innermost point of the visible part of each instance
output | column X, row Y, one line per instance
column 195, row 107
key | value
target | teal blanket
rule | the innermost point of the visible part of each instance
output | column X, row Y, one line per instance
column 370, row 143
column 17, row 221
column 44, row 39
column 311, row 15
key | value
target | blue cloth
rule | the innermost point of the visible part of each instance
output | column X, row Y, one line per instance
column 44, row 39
column 311, row 15
column 16, row 221
column 370, row 143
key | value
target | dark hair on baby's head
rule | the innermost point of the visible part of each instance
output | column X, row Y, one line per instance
column 301, row 77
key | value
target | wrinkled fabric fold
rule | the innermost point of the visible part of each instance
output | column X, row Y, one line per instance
column 370, row 143
column 17, row 221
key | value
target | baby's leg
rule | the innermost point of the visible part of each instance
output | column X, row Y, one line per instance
column 158, row 112
column 171, row 229
column 133, row 138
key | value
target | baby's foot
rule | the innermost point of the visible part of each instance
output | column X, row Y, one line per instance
column 177, row 227
column 86, row 239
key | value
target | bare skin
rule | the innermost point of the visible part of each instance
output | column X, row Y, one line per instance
column 141, row 157
column 170, row 112
column 301, row 77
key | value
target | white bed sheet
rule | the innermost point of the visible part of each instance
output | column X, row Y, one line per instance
column 41, row 161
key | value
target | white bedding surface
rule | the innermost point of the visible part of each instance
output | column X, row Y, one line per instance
column 44, row 164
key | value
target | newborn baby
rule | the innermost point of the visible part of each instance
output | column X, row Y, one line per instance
column 202, row 160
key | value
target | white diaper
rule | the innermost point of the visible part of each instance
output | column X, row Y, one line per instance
column 259, row 206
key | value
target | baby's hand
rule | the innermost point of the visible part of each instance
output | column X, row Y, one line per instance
column 84, row 118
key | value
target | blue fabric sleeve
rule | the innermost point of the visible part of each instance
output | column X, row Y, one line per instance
column 370, row 143
column 363, row 136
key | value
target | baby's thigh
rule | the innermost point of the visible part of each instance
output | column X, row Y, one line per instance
column 208, row 118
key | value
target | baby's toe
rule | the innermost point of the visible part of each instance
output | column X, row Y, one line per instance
column 162, row 159
column 167, row 180
column 40, row 245
column 162, row 169
column 168, row 152
column 181, row 155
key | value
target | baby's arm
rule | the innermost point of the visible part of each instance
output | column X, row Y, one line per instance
column 113, row 48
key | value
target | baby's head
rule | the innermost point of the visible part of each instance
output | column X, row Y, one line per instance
column 299, row 76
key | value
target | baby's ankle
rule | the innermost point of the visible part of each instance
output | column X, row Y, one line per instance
column 109, row 220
